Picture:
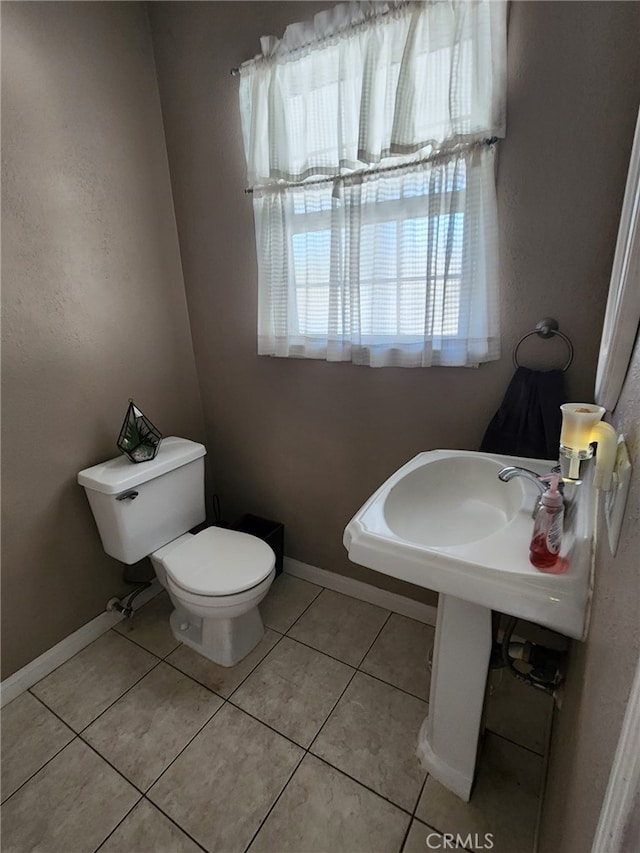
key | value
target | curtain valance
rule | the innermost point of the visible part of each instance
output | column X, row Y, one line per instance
column 368, row 81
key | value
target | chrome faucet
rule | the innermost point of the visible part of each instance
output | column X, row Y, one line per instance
column 511, row 471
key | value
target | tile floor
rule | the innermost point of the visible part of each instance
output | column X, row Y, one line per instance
column 139, row 744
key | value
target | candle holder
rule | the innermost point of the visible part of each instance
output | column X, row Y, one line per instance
column 582, row 428
column 578, row 421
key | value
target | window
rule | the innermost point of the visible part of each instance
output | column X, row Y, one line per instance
column 400, row 283
column 374, row 195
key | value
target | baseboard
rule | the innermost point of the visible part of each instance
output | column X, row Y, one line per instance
column 365, row 592
column 24, row 678
column 615, row 828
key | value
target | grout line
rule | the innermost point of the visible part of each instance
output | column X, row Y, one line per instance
column 268, row 726
column 375, row 639
column 120, row 822
column 410, row 824
column 546, row 758
column 335, row 705
column 358, row 782
column 275, row 802
column 142, row 646
column 35, row 773
column 215, row 692
column 227, row 700
column 85, row 741
column 515, row 743
column 356, row 670
column 111, row 704
column 360, row 591
column 193, row 678
column 153, row 806
column 444, row 832
column 437, row 831
column 395, row 686
column 405, row 836
column 181, row 828
column 187, row 744
column 259, row 663
column 124, row 693
column 362, row 785
column 413, row 813
column 422, row 787
column 68, row 660
column 112, row 766
column 358, row 666
column 51, row 711
column 340, row 660
column 307, row 750
column 322, row 651
column 313, row 601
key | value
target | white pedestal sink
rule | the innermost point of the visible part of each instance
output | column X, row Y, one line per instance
column 446, row 522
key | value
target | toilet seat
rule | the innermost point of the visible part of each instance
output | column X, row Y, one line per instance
column 219, row 562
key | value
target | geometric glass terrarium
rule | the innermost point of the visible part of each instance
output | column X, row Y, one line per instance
column 138, row 438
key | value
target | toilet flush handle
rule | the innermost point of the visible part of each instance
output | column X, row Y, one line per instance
column 126, row 495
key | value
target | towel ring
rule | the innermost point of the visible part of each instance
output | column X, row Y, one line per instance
column 546, row 328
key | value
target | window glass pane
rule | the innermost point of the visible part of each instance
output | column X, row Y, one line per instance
column 311, row 262
column 377, row 269
column 409, row 268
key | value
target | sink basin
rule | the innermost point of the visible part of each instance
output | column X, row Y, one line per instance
column 446, row 522
column 451, row 500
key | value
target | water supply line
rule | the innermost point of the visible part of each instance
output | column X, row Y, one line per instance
column 125, row 605
column 544, row 675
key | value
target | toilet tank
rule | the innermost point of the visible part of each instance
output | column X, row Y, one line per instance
column 138, row 508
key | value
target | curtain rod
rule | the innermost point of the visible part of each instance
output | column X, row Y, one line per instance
column 396, row 6
column 492, row 140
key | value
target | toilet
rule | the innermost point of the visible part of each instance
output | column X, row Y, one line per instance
column 216, row 578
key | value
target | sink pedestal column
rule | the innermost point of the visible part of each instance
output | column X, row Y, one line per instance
column 448, row 740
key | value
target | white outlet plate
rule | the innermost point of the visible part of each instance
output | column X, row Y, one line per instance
column 616, row 498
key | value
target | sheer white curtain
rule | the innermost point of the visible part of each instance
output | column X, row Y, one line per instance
column 374, row 193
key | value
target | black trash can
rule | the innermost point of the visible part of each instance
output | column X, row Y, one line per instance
column 271, row 532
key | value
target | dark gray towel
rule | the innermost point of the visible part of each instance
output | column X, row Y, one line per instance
column 528, row 421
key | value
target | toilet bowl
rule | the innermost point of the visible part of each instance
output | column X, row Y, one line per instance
column 216, row 579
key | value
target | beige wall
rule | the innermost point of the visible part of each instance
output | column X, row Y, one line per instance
column 601, row 670
column 304, row 441
column 94, row 306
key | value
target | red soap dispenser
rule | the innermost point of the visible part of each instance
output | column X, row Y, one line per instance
column 544, row 550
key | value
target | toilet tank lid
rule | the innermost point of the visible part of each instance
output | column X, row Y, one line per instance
column 119, row 474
